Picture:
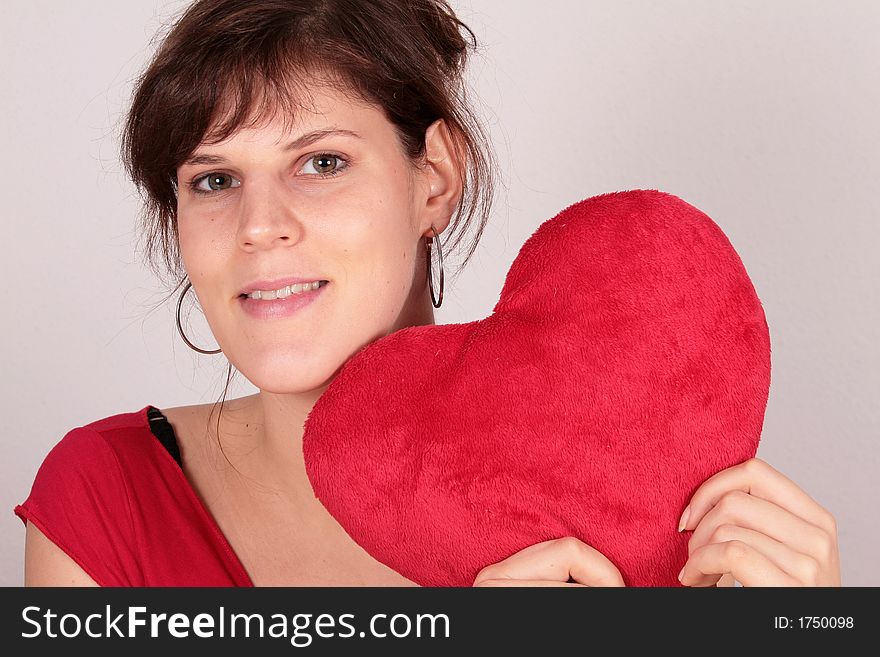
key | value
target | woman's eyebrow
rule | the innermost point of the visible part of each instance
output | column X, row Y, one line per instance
column 315, row 135
column 300, row 142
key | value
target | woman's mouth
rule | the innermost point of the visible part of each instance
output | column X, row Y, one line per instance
column 275, row 304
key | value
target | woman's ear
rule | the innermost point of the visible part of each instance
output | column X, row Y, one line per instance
column 443, row 174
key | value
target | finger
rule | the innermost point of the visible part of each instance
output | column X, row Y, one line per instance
column 557, row 560
column 801, row 567
column 706, row 565
column 744, row 510
column 760, row 479
column 726, row 580
column 526, row 582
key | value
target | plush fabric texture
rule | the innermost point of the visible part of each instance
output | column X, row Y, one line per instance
column 626, row 361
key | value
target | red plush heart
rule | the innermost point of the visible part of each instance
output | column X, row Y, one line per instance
column 627, row 360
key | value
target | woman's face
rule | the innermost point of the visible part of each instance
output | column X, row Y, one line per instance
column 255, row 211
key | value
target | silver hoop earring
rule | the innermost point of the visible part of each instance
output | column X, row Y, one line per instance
column 180, row 327
column 428, row 242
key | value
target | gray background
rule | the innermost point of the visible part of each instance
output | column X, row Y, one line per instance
column 762, row 114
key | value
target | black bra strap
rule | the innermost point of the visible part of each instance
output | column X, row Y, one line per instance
column 162, row 429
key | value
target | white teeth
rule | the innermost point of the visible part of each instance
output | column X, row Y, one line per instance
column 285, row 291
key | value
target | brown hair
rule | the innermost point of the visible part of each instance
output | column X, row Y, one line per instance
column 224, row 61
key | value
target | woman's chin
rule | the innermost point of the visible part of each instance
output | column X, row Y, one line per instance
column 291, row 377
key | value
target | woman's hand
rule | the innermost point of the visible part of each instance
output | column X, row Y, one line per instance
column 754, row 523
column 552, row 563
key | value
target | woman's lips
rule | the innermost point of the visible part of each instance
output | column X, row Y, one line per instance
column 279, row 308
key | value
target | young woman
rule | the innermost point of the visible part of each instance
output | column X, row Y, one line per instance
column 300, row 161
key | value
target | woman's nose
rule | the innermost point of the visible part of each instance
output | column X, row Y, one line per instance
column 267, row 218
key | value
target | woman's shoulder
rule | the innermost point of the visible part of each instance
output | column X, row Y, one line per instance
column 203, row 412
column 117, row 431
column 194, row 420
column 112, row 498
column 90, row 453
column 93, row 472
column 89, row 444
column 102, row 452
column 79, row 498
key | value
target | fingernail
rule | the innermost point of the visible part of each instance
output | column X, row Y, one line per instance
column 681, row 573
column 684, row 518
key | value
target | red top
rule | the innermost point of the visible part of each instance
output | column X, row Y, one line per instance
column 112, row 497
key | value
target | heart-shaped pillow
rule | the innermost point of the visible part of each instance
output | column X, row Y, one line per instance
column 627, row 360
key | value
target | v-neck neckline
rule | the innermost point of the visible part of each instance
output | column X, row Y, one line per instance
column 209, row 519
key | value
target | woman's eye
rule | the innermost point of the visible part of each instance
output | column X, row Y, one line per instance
column 214, row 182
column 324, row 164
